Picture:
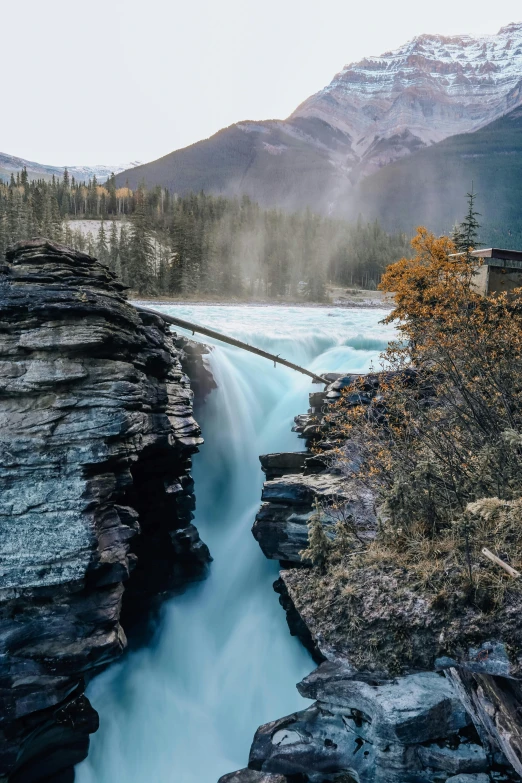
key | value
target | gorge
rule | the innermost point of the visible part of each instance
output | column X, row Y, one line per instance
column 97, row 498
column 223, row 661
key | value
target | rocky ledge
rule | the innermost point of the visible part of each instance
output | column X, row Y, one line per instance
column 391, row 705
column 97, row 435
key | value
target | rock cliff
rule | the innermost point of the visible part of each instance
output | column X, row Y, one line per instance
column 97, row 435
column 405, row 692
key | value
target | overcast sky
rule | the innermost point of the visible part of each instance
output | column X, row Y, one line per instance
column 110, row 81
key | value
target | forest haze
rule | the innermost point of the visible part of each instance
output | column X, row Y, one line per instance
column 200, row 245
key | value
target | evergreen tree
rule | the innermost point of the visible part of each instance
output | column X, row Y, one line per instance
column 141, row 256
column 114, row 247
column 102, row 248
column 319, row 545
column 465, row 236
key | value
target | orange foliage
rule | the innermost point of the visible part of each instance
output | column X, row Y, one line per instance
column 452, row 424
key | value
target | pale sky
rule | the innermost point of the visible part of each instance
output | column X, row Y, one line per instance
column 110, row 81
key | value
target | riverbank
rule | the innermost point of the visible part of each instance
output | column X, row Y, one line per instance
column 338, row 298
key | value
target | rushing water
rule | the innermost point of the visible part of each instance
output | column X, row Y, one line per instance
column 185, row 708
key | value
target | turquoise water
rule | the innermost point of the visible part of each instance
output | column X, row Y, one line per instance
column 185, row 708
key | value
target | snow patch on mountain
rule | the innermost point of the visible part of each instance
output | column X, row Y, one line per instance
column 431, row 87
column 9, row 164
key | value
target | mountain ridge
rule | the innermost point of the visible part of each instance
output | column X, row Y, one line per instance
column 372, row 113
column 11, row 164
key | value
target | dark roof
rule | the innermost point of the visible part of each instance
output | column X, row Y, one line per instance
column 494, row 256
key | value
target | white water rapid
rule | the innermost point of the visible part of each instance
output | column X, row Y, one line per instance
column 185, row 708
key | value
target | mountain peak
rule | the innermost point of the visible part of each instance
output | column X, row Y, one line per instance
column 433, row 86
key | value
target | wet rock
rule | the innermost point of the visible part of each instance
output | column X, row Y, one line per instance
column 283, row 463
column 372, row 732
column 193, row 357
column 296, row 624
column 288, row 503
column 251, row 776
column 96, row 439
column 466, row 758
column 412, row 709
column 494, row 703
column 481, row 778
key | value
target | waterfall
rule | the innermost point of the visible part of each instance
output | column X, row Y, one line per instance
column 185, row 708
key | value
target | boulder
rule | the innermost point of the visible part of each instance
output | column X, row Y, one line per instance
column 375, row 732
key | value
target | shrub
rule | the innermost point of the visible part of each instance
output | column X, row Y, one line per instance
column 445, row 428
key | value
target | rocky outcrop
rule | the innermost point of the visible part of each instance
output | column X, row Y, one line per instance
column 300, row 484
column 289, row 502
column 494, row 702
column 193, row 357
column 251, row 776
column 96, row 437
column 401, row 731
column 391, row 704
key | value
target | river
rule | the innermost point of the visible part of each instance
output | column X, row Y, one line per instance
column 185, row 708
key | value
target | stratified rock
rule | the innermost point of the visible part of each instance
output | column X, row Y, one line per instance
column 96, row 441
column 194, row 362
column 367, row 724
column 296, row 624
column 289, row 502
column 283, row 463
column 373, row 732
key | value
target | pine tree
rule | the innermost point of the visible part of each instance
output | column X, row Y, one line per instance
column 141, row 256
column 102, row 248
column 465, row 236
column 114, row 247
column 122, row 263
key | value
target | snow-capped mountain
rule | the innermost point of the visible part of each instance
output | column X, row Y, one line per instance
column 10, row 165
column 374, row 112
column 430, row 88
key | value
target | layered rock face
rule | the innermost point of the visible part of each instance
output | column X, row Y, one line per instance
column 96, row 437
column 408, row 714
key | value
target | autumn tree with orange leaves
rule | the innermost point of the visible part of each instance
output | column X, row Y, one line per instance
column 445, row 429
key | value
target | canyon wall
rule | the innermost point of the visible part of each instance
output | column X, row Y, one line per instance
column 390, row 704
column 96, row 496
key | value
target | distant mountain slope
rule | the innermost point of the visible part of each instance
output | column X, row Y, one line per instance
column 9, row 164
column 305, row 162
column 429, row 187
column 372, row 113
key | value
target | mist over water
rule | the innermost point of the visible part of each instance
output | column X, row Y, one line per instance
column 185, row 708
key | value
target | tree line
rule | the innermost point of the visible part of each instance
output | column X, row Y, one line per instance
column 199, row 244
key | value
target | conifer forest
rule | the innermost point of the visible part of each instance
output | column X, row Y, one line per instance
column 199, row 245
